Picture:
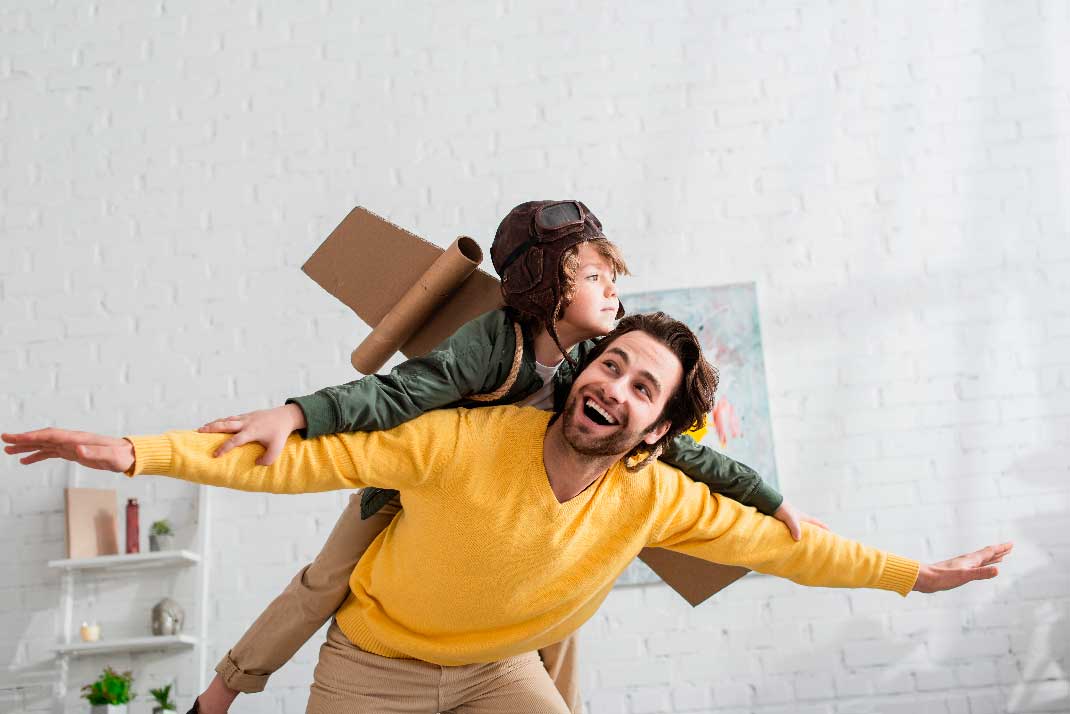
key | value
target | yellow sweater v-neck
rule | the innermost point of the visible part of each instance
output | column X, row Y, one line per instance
column 483, row 562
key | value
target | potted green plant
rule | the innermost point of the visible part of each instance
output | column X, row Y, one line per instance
column 110, row 693
column 160, row 536
column 164, row 703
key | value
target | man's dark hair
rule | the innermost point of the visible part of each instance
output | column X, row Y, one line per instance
column 693, row 399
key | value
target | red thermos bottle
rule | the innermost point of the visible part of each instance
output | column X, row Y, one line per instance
column 133, row 532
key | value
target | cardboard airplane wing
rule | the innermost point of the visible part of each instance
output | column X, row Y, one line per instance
column 411, row 292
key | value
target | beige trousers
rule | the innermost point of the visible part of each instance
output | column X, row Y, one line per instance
column 319, row 589
column 349, row 680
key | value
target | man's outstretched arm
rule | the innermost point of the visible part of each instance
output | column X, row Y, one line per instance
column 723, row 531
column 399, row 458
column 188, row 456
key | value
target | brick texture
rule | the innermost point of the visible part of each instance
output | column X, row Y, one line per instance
column 892, row 175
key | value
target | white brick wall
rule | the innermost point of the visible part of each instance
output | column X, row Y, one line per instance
column 891, row 174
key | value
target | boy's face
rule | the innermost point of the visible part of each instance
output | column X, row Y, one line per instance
column 593, row 309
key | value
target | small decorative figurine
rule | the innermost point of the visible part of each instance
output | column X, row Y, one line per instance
column 167, row 617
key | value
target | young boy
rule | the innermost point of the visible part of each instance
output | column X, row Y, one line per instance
column 558, row 275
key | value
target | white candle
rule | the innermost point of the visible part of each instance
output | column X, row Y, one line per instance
column 90, row 633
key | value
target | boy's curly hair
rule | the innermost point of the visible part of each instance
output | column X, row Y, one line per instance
column 570, row 264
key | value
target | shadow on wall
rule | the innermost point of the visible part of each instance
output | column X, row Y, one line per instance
column 1037, row 615
column 1040, row 639
column 1043, row 658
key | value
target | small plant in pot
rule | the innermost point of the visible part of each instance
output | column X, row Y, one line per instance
column 161, row 536
column 164, row 703
column 110, row 693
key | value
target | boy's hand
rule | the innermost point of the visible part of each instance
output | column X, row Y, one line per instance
column 268, row 427
column 794, row 518
column 94, row 451
column 950, row 574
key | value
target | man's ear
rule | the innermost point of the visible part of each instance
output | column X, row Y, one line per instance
column 656, row 432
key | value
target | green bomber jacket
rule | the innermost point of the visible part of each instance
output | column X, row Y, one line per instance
column 476, row 360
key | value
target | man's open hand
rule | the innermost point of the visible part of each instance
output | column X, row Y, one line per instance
column 94, row 451
column 950, row 574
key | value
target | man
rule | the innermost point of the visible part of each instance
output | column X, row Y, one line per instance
column 515, row 525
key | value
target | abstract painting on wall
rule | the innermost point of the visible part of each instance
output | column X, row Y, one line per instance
column 725, row 319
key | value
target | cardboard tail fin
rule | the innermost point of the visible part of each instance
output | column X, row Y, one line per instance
column 411, row 292
column 694, row 579
column 418, row 303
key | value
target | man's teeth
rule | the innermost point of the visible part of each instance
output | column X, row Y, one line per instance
column 603, row 412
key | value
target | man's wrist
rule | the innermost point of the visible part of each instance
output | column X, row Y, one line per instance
column 128, row 453
column 922, row 581
column 150, row 454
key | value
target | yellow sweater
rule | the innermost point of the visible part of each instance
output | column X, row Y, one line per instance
column 483, row 562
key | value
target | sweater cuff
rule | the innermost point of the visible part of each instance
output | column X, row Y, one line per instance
column 152, row 455
column 765, row 498
column 899, row 574
column 319, row 415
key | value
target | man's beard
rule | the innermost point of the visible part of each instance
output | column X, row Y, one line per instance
column 616, row 444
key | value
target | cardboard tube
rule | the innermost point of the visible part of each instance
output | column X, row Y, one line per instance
column 437, row 283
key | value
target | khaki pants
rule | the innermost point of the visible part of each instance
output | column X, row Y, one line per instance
column 319, row 589
column 349, row 680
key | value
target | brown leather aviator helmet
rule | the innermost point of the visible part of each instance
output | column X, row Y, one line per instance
column 527, row 251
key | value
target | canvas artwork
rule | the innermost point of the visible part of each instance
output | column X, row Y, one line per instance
column 725, row 319
column 92, row 522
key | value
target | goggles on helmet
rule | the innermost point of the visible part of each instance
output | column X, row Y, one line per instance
column 550, row 223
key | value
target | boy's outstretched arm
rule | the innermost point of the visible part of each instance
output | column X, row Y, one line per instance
column 736, row 480
column 468, row 362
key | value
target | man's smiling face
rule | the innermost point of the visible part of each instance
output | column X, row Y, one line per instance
column 618, row 400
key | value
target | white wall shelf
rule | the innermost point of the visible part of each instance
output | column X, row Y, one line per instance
column 136, row 561
column 128, row 645
column 191, row 648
